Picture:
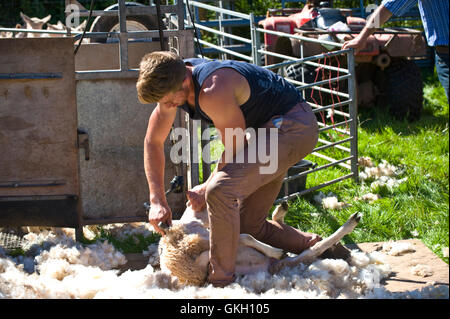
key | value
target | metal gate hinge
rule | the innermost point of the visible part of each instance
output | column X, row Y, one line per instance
column 83, row 142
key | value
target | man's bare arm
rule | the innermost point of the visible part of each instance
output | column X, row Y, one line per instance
column 219, row 99
column 158, row 129
column 376, row 20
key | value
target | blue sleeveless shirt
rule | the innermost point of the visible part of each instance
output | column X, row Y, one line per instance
column 270, row 94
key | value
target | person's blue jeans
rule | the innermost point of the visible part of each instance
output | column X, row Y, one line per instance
column 442, row 70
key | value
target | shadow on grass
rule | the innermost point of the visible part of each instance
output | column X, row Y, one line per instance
column 372, row 120
column 375, row 118
column 334, row 225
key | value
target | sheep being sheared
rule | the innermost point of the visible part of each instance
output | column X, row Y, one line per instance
column 184, row 250
column 63, row 268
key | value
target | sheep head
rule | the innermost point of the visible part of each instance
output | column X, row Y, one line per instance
column 184, row 252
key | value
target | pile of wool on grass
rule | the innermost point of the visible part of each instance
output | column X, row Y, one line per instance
column 329, row 201
column 369, row 197
column 63, row 268
column 383, row 175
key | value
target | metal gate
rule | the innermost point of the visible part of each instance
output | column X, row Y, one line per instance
column 337, row 133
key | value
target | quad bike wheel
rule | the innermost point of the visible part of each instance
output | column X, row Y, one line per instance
column 404, row 89
column 134, row 23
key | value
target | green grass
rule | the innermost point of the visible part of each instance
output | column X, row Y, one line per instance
column 136, row 243
column 419, row 207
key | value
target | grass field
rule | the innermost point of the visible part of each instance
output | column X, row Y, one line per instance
column 417, row 208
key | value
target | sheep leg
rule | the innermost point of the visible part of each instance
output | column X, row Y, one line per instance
column 250, row 241
column 279, row 212
column 315, row 251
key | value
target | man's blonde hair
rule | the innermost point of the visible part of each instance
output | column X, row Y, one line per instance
column 160, row 73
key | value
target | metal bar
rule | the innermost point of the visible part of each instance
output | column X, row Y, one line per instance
column 123, row 39
column 106, row 74
column 240, row 48
column 332, row 160
column 180, row 14
column 132, row 10
column 242, row 56
column 114, row 220
column 230, row 22
column 160, row 23
column 30, row 76
column 335, row 129
column 299, row 37
column 353, row 114
column 303, row 69
column 217, row 9
column 309, row 190
column 383, row 31
column 332, row 80
column 131, row 34
column 320, row 148
column 287, row 57
column 335, row 162
column 347, row 96
column 318, row 108
column 16, row 184
column 221, row 38
column 205, row 147
column 327, row 67
column 326, row 128
column 228, row 35
column 255, row 41
column 322, row 108
column 345, row 149
column 39, row 31
column 194, row 125
column 300, row 61
column 36, row 197
column 334, row 111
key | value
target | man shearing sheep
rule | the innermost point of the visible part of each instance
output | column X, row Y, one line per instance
column 230, row 95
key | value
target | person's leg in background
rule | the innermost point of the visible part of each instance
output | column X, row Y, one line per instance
column 442, row 69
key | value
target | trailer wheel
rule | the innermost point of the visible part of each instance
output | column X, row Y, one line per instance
column 134, row 23
column 404, row 89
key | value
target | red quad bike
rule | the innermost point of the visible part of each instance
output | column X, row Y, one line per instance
column 386, row 73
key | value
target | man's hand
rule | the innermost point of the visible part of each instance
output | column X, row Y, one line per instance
column 357, row 43
column 196, row 197
column 159, row 213
column 375, row 20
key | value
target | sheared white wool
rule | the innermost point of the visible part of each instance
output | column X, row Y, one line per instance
column 153, row 254
column 329, row 201
column 369, row 197
column 332, row 203
column 66, row 269
column 421, row 270
column 365, row 162
column 389, row 182
column 383, row 169
column 397, row 249
column 445, row 251
column 383, row 175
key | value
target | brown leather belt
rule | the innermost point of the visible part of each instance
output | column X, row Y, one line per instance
column 442, row 49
